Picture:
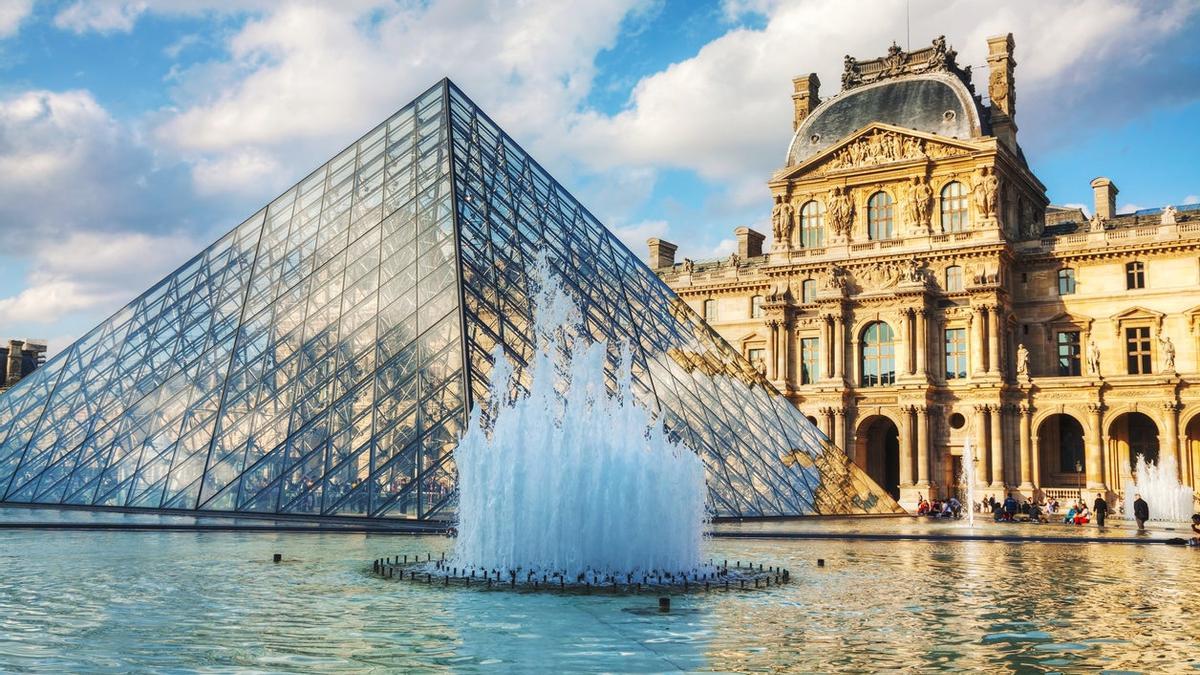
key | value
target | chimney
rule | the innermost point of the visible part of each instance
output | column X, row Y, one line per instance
column 1105, row 193
column 749, row 243
column 662, row 253
column 807, row 97
column 14, row 362
column 1002, row 88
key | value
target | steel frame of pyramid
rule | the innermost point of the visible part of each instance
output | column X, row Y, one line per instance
column 321, row 358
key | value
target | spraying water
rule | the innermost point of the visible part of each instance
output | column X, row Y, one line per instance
column 570, row 478
column 968, row 480
column 1159, row 486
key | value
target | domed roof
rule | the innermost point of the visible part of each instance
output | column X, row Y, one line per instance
column 936, row 103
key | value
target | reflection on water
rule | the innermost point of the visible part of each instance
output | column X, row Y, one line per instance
column 112, row 602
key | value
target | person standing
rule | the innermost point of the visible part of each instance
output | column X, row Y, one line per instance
column 1100, row 508
column 1141, row 512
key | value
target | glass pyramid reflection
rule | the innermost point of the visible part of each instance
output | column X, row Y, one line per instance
column 321, row 358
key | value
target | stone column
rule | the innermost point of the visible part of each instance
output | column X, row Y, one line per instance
column 981, row 445
column 827, row 339
column 921, row 317
column 923, row 468
column 997, row 445
column 839, row 347
column 1170, row 444
column 994, row 340
column 827, row 423
column 1094, row 460
column 978, row 343
column 1026, row 413
column 902, row 349
column 856, row 364
column 906, row 444
column 839, row 432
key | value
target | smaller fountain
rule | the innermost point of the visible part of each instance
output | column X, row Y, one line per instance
column 1159, row 485
column 968, row 480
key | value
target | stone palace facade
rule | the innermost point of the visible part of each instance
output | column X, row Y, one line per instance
column 921, row 293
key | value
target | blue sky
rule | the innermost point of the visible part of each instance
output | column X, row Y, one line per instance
column 134, row 132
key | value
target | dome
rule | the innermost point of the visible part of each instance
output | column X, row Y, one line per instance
column 934, row 103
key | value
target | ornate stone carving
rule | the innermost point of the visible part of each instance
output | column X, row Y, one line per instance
column 884, row 147
column 986, row 193
column 840, row 212
column 834, row 277
column 913, row 271
column 938, row 57
column 851, row 75
column 783, row 216
column 918, row 204
column 734, row 259
column 998, row 89
column 1096, row 224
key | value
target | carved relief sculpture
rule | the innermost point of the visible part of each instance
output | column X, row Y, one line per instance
column 841, row 213
column 834, row 277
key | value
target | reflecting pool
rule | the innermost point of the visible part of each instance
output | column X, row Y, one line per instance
column 121, row 601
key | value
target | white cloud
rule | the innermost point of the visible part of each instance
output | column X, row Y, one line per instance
column 100, row 16
column 635, row 235
column 12, row 13
column 1191, row 199
column 90, row 272
column 1129, row 208
column 242, row 171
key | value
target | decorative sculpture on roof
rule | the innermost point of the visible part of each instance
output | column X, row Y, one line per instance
column 851, row 76
column 936, row 58
column 688, row 265
column 1168, row 216
column 841, row 213
column 734, row 259
column 893, row 63
column 1096, row 224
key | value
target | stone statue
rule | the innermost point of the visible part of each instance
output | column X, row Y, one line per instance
column 986, row 193
column 851, row 77
column 1022, row 362
column 937, row 60
column 777, row 220
column 920, row 199
column 1096, row 224
column 841, row 213
column 760, row 365
column 912, row 272
column 1093, row 357
column 1168, row 216
column 1167, row 349
column 788, row 215
column 688, row 265
column 734, row 259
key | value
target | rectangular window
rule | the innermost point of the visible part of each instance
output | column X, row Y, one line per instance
column 710, row 310
column 1068, row 353
column 808, row 291
column 810, row 360
column 954, row 279
column 1135, row 275
column 1137, row 350
column 756, row 307
column 756, row 356
column 956, row 353
column 1066, row 281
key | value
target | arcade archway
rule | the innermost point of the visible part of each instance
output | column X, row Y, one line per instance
column 877, row 451
column 1061, row 460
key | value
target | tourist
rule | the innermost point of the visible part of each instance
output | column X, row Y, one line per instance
column 1070, row 517
column 1027, row 507
column 1036, row 515
column 922, row 507
column 997, row 511
column 1100, row 508
column 1141, row 512
column 1052, row 506
column 1010, row 507
column 955, row 507
column 1195, row 541
column 1081, row 514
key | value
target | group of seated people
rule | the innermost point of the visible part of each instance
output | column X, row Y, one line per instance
column 1010, row 510
column 948, row 508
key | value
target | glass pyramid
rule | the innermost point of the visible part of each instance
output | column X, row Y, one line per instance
column 321, row 358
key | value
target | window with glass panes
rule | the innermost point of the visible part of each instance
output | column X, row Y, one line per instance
column 880, row 216
column 812, row 224
column 954, row 279
column 756, row 355
column 1135, row 275
column 955, row 209
column 1066, row 281
column 878, row 355
column 710, row 310
column 810, row 360
column 956, row 353
column 756, row 307
column 808, row 291
column 1069, row 361
column 1137, row 350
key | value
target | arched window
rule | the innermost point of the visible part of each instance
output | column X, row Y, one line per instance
column 881, row 222
column 812, row 224
column 954, row 279
column 955, row 214
column 808, row 291
column 878, row 355
column 756, row 307
column 710, row 310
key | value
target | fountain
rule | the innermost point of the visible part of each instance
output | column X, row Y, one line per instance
column 1159, row 486
column 968, row 480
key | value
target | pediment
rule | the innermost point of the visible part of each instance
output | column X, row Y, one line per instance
column 879, row 144
column 1067, row 317
column 1136, row 314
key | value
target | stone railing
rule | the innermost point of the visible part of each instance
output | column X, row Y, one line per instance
column 1062, row 494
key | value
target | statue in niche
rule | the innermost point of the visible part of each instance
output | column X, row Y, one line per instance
column 788, row 216
column 1167, row 353
column 841, row 213
column 1168, row 216
column 1093, row 357
column 777, row 220
column 986, row 193
column 1022, row 362
column 920, row 199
